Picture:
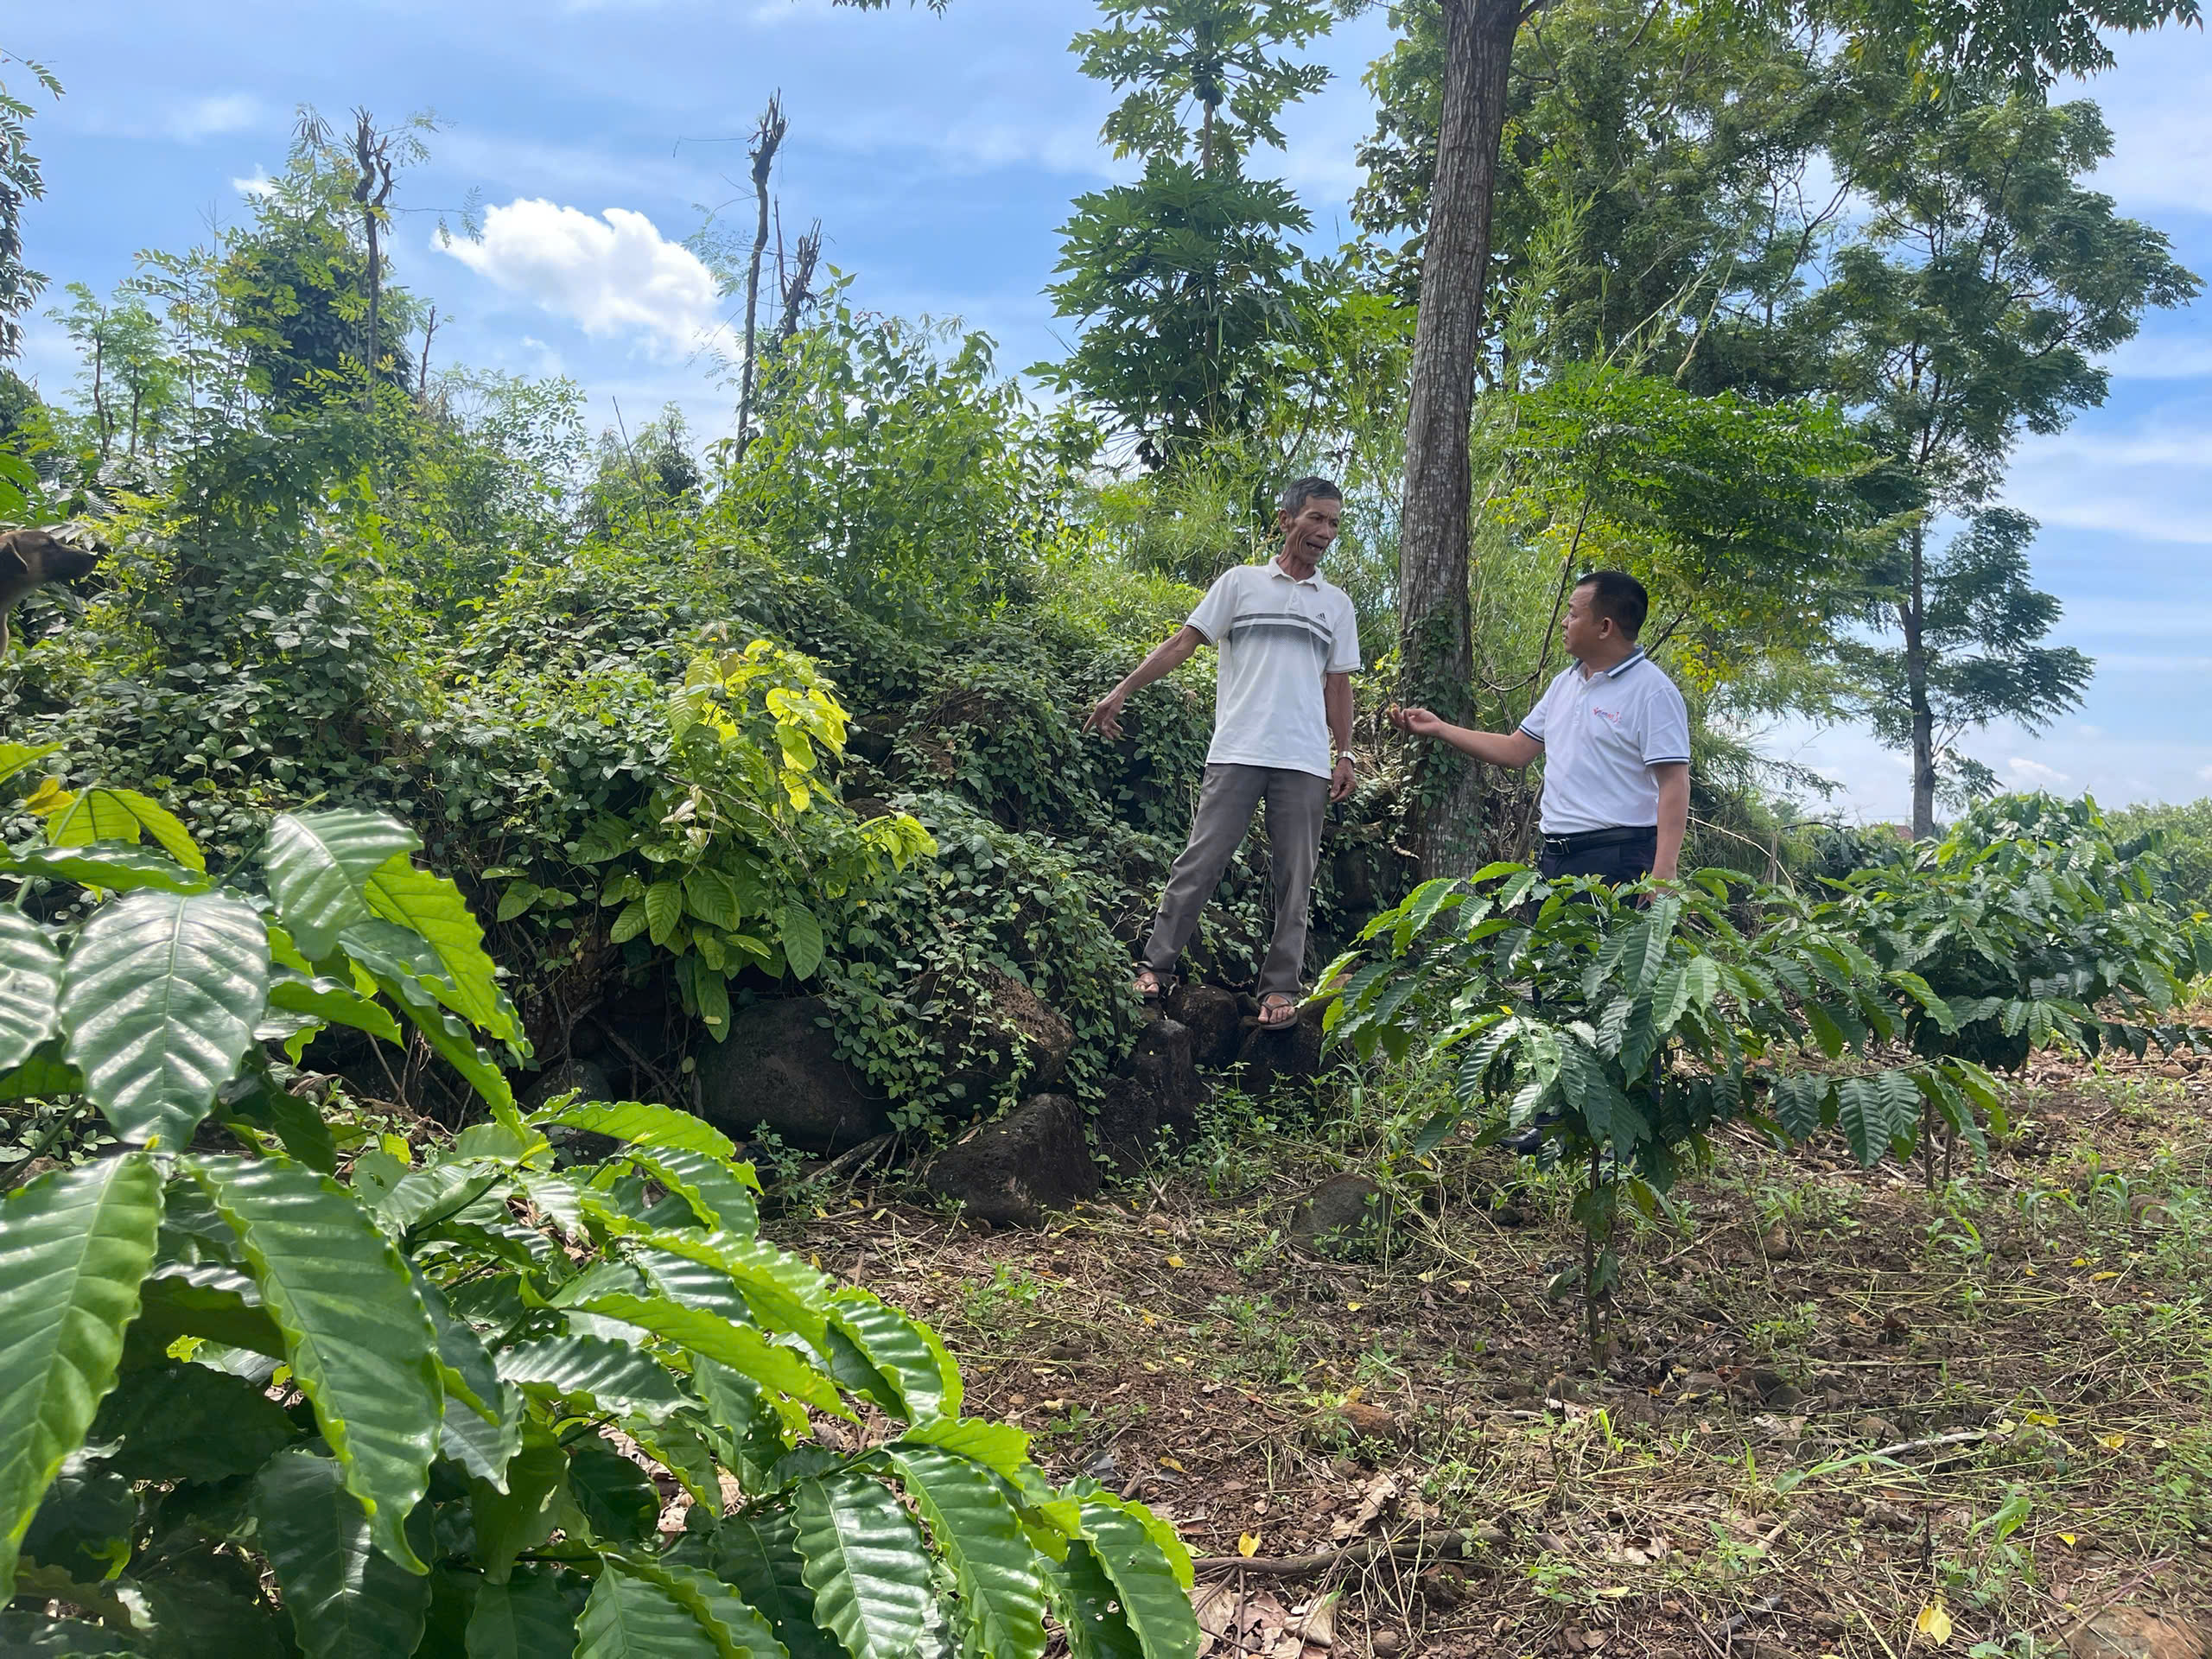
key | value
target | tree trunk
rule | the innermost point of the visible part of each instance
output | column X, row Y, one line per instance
column 1437, row 651
column 1915, row 682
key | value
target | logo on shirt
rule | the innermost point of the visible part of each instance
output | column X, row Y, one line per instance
column 1610, row 717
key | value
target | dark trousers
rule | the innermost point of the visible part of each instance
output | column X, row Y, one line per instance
column 1621, row 861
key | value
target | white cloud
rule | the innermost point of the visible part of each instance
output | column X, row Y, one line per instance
column 616, row 275
column 2024, row 773
column 206, row 118
column 259, row 184
column 2205, row 773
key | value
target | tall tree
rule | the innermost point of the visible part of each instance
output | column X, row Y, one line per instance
column 131, row 384
column 1970, row 309
column 21, row 181
column 1185, row 280
column 2028, row 41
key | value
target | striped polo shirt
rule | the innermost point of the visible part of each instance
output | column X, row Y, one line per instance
column 1276, row 639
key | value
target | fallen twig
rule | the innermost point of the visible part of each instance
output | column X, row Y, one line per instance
column 1403, row 1549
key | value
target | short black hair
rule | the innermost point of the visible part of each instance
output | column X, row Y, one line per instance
column 1299, row 491
column 1617, row 594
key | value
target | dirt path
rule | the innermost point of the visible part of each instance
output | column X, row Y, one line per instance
column 1832, row 1402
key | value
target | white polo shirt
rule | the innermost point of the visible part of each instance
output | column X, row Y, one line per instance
column 1276, row 637
column 1602, row 736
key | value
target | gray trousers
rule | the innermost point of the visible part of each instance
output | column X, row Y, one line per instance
column 1298, row 802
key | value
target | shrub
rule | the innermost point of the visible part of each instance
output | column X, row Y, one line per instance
column 449, row 1406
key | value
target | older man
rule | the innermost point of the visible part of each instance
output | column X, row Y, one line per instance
column 1286, row 646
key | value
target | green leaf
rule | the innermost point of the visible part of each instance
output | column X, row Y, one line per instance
column 738, row 1631
column 629, row 1617
column 347, row 1600
column 357, row 1336
column 14, row 757
column 432, row 907
column 601, row 1374
column 801, row 932
column 737, row 1346
column 864, row 1561
column 526, row 1617
column 711, row 991
column 718, row 1195
column 30, row 987
column 663, row 910
column 482, row 1427
column 188, row 1422
column 74, row 1243
column 160, row 998
column 318, row 864
column 996, row 1566
column 907, row 1352
column 1156, row 1606
column 335, row 1001
column 1091, row 1609
column 758, row 1552
column 102, row 813
column 710, row 897
column 525, row 1516
column 34, row 1636
column 207, row 1300
column 618, row 1498
column 642, row 1124
column 119, row 866
column 783, row 1293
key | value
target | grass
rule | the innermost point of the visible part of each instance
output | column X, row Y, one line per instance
column 2039, row 1329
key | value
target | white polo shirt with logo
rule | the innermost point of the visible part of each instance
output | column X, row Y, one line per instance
column 1277, row 638
column 1602, row 735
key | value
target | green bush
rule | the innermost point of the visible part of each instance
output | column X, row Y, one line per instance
column 487, row 1403
column 2173, row 846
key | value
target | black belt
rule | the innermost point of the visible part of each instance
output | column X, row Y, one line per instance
column 1568, row 846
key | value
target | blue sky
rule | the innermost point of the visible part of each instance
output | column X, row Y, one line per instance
column 940, row 153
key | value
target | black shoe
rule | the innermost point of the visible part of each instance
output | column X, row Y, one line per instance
column 1527, row 1142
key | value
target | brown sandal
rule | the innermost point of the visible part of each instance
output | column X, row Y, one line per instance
column 1278, row 1002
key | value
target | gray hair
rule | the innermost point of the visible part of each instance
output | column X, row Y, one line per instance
column 1299, row 491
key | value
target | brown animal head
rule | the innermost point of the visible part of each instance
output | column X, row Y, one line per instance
column 30, row 556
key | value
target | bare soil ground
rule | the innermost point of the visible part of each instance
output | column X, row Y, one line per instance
column 1837, row 1412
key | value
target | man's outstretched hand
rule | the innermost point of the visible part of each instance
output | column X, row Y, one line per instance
column 1105, row 715
column 1417, row 721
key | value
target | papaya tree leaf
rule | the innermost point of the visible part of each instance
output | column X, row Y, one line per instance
column 160, row 997
column 75, row 1244
column 358, row 1337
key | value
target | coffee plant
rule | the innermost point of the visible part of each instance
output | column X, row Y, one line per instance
column 1629, row 1023
column 268, row 1388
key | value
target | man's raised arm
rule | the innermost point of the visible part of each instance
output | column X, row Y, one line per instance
column 1106, row 715
column 1514, row 749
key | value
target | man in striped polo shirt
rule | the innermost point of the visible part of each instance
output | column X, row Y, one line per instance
column 1616, row 736
column 1287, row 644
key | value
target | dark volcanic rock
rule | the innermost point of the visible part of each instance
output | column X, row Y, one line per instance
column 1339, row 1216
column 779, row 1068
column 1216, row 1019
column 1036, row 1158
column 1008, row 1039
column 588, row 1079
column 1156, row 1093
column 1287, row 1058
